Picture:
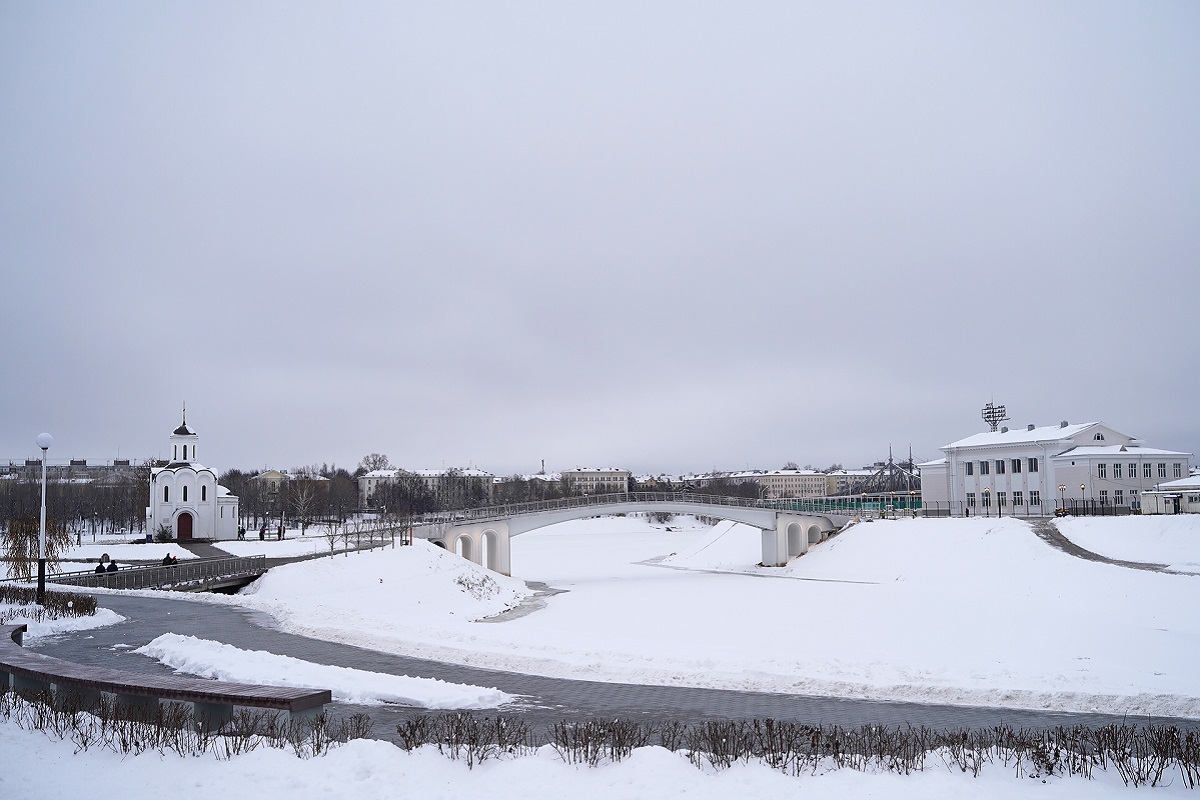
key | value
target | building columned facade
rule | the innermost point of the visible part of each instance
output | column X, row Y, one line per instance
column 1033, row 471
column 185, row 497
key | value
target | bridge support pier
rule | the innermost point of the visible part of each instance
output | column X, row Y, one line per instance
column 487, row 544
column 774, row 547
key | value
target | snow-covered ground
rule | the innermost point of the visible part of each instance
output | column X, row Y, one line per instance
column 294, row 545
column 37, row 768
column 949, row 610
column 959, row 611
column 1159, row 539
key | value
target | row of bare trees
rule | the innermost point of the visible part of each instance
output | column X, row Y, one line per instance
column 81, row 508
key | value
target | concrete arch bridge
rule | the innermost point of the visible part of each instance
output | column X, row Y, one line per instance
column 483, row 535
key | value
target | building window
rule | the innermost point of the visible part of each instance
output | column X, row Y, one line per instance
column 1000, row 498
column 185, row 452
column 1133, row 470
column 1178, row 470
column 1035, row 497
column 1033, row 465
column 1117, row 471
column 1118, row 497
column 1018, row 499
column 970, row 467
column 1104, row 497
column 1099, row 437
column 970, row 499
column 1162, row 470
column 1000, row 466
column 987, row 499
column 1102, row 470
column 185, row 494
column 166, row 494
column 983, row 468
column 1016, row 465
column 1146, row 470
column 203, row 493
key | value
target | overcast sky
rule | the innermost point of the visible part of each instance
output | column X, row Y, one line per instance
column 663, row 236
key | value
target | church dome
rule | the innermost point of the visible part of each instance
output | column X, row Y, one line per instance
column 183, row 430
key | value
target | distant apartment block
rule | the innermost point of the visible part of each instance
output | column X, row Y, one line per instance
column 597, row 480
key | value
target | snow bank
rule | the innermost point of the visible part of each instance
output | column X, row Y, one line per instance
column 370, row 770
column 370, row 598
column 210, row 659
column 15, row 615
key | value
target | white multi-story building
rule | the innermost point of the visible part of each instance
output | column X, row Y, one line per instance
column 438, row 482
column 786, row 482
column 597, row 480
column 1032, row 471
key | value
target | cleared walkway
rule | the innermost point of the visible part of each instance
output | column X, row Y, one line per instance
column 1049, row 533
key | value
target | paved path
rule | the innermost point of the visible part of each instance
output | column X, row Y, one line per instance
column 1048, row 532
column 544, row 700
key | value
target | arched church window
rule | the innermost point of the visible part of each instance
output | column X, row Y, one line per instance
column 185, row 494
column 185, row 454
column 166, row 494
column 203, row 493
column 175, row 453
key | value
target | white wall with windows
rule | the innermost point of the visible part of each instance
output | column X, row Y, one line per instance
column 1020, row 472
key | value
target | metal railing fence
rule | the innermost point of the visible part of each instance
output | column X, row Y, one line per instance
column 191, row 571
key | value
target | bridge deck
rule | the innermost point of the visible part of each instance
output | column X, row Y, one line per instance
column 193, row 575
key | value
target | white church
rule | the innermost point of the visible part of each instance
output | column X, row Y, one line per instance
column 185, row 495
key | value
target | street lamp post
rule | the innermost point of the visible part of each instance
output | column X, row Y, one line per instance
column 1082, row 496
column 1062, row 497
column 44, row 440
column 987, row 502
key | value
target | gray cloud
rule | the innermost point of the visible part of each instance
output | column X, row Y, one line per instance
column 669, row 236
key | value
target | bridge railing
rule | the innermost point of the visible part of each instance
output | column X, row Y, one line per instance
column 821, row 505
column 197, row 570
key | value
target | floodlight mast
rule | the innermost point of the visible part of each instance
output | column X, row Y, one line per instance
column 993, row 415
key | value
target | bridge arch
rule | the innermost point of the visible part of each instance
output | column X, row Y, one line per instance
column 796, row 541
column 483, row 535
column 464, row 545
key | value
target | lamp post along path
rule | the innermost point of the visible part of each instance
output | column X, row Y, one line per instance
column 44, row 440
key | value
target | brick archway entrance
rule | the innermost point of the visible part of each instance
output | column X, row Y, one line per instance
column 183, row 526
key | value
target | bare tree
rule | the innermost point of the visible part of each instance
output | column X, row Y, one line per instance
column 333, row 532
column 374, row 461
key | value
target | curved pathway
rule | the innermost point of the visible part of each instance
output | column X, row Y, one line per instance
column 544, row 700
column 1049, row 533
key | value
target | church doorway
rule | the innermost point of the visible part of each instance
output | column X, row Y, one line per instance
column 184, row 526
